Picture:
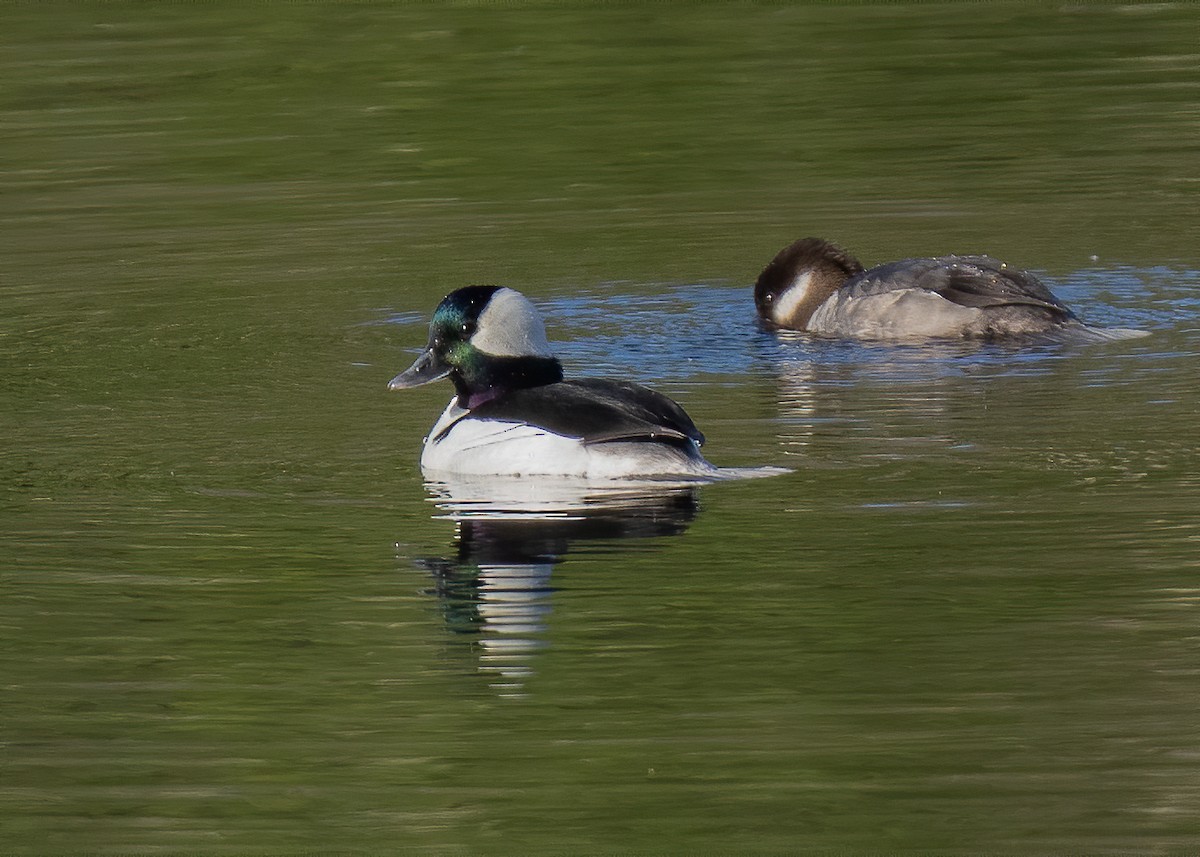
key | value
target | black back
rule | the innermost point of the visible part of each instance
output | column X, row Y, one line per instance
column 597, row 410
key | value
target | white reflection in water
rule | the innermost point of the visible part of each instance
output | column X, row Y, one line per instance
column 816, row 379
column 510, row 533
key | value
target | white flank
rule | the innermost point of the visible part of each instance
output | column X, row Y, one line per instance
column 496, row 448
column 900, row 314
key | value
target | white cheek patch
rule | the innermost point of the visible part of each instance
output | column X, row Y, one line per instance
column 791, row 298
column 511, row 326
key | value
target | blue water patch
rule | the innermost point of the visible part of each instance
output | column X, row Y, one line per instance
column 694, row 332
column 682, row 333
column 689, row 331
column 1140, row 298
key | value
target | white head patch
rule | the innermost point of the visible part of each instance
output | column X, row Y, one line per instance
column 791, row 297
column 511, row 326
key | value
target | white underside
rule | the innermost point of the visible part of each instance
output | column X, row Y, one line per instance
column 902, row 314
column 494, row 448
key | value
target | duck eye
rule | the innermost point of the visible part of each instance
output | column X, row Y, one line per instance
column 769, row 297
column 468, row 328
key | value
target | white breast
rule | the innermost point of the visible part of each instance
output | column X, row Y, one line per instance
column 500, row 448
column 900, row 314
column 496, row 448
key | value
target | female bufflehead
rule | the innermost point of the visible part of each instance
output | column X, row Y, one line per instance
column 817, row 286
column 514, row 414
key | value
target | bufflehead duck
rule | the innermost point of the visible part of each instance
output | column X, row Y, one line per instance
column 513, row 414
column 816, row 286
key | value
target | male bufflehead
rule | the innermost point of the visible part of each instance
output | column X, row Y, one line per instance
column 513, row 413
column 816, row 286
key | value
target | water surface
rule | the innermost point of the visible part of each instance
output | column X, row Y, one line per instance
column 235, row 620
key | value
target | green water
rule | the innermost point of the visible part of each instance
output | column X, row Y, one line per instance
column 232, row 620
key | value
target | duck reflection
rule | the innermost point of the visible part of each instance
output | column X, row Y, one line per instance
column 510, row 533
column 884, row 392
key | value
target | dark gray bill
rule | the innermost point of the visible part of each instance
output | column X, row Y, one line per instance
column 427, row 368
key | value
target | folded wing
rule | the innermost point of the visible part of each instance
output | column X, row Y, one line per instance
column 596, row 411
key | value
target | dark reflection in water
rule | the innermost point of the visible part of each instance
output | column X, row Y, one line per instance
column 495, row 591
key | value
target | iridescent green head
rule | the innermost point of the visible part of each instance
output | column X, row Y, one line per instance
column 487, row 340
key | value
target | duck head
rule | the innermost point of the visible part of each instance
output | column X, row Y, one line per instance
column 487, row 340
column 799, row 279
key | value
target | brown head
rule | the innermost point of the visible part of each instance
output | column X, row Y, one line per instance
column 799, row 279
